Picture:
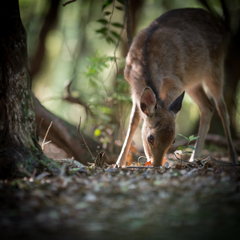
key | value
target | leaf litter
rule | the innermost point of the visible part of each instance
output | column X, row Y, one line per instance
column 177, row 201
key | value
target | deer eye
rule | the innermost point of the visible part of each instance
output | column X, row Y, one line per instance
column 151, row 139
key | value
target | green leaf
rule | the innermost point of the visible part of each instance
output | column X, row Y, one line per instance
column 180, row 147
column 103, row 21
column 116, row 35
column 97, row 132
column 107, row 13
column 121, row 1
column 119, row 25
column 110, row 40
column 120, row 8
column 102, row 30
column 107, row 3
column 191, row 138
column 195, row 137
column 111, row 58
column 182, row 136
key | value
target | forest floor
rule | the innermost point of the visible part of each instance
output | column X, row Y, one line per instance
column 180, row 202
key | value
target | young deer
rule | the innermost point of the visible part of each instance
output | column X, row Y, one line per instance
column 180, row 51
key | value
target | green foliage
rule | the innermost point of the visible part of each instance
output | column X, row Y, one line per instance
column 103, row 21
column 107, row 3
column 107, row 97
column 119, row 25
column 183, row 149
column 96, row 66
column 110, row 95
column 107, row 32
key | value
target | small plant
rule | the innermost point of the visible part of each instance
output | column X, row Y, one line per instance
column 110, row 30
column 183, row 149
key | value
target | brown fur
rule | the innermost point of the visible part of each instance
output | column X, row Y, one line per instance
column 180, row 50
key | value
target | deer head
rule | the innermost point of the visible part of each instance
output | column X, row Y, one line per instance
column 158, row 130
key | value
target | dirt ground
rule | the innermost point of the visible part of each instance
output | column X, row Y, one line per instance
column 179, row 202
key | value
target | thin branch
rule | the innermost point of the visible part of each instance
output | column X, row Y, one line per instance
column 79, row 49
column 117, row 72
column 180, row 159
column 43, row 143
column 114, row 53
column 143, row 167
column 68, row 97
column 78, row 129
column 204, row 157
column 129, row 35
column 223, row 163
column 110, row 19
column 68, row 2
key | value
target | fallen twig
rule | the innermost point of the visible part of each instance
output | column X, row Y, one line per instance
column 43, row 143
column 143, row 167
column 184, row 160
column 223, row 163
column 209, row 155
column 78, row 129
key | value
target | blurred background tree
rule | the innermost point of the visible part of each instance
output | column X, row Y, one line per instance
column 76, row 58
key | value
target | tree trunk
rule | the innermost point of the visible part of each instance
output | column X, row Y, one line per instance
column 18, row 143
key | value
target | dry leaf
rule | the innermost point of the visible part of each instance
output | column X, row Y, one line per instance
column 164, row 161
column 148, row 164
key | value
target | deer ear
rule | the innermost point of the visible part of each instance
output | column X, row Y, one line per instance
column 148, row 102
column 176, row 106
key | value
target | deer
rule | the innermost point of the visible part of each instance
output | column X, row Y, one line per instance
column 181, row 51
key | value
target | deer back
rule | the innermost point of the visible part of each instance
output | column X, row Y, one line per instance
column 177, row 51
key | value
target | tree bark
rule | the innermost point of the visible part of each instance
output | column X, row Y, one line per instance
column 18, row 142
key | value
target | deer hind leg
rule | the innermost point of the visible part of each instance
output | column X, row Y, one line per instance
column 206, row 108
column 216, row 90
column 133, row 124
